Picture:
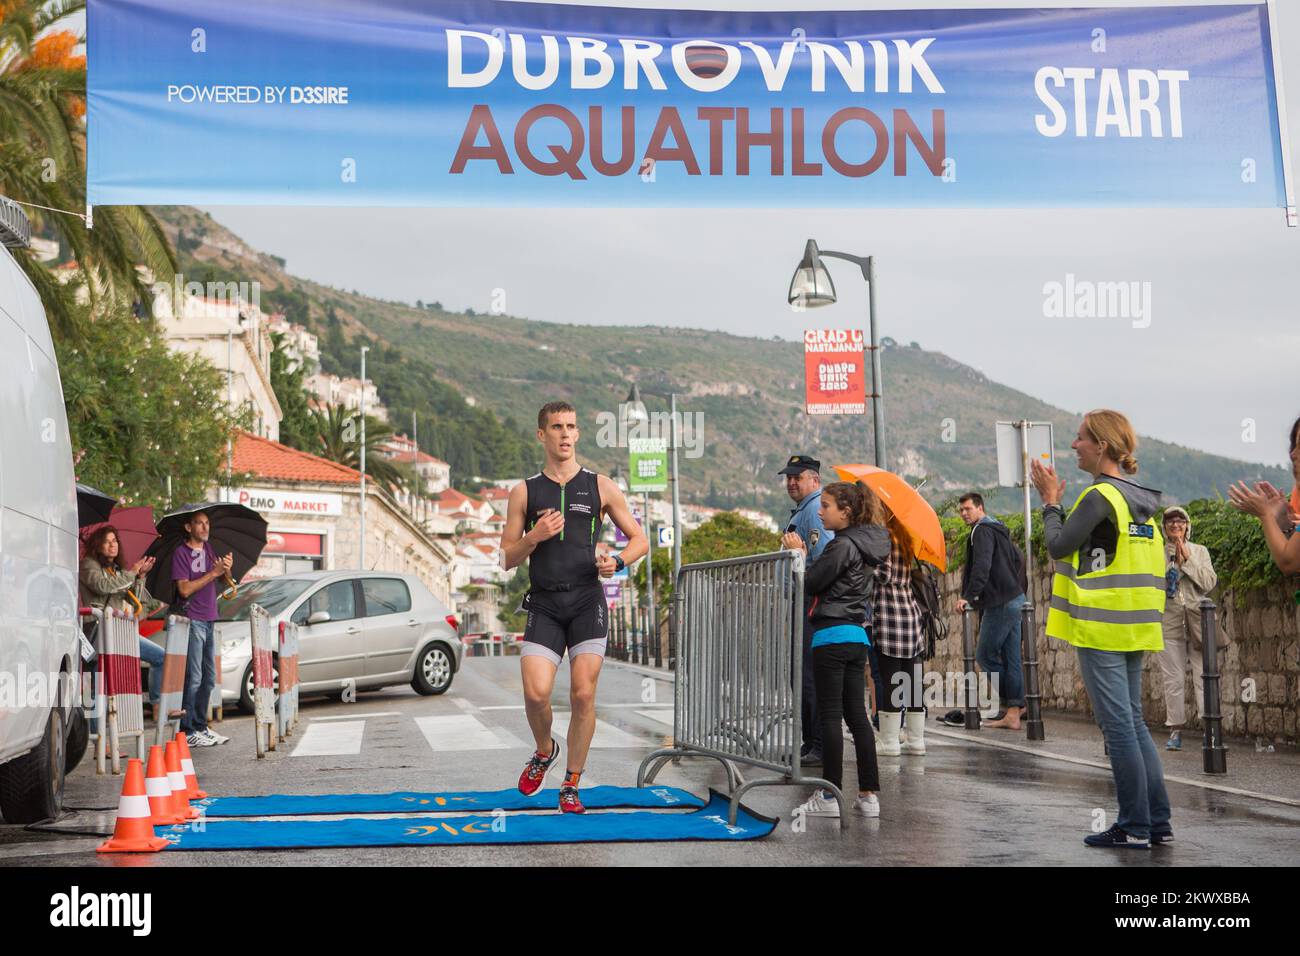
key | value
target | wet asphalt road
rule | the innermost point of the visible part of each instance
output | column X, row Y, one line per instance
column 962, row 804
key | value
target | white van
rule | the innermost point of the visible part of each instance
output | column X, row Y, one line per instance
column 39, row 631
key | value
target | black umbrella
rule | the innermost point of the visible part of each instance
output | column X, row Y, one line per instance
column 233, row 529
column 93, row 506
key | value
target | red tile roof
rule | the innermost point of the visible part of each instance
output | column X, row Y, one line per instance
column 270, row 459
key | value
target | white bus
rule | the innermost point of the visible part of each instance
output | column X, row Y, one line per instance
column 39, row 643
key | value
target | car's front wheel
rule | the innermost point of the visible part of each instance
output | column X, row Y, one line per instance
column 246, row 695
column 433, row 671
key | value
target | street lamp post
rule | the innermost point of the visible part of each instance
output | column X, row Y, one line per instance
column 636, row 412
column 364, row 350
column 812, row 287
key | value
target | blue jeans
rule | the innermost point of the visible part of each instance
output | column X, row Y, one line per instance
column 200, row 676
column 153, row 655
column 998, row 650
column 1114, row 683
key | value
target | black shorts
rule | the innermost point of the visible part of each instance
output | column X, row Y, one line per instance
column 577, row 621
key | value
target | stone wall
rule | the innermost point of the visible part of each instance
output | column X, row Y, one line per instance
column 1263, row 658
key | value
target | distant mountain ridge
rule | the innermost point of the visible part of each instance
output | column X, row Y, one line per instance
column 939, row 413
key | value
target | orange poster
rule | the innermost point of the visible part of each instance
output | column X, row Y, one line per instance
column 835, row 379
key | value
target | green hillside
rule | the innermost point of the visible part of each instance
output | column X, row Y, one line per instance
column 748, row 392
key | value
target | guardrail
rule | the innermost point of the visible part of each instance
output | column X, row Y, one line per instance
column 739, row 657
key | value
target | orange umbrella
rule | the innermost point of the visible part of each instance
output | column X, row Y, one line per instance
column 906, row 504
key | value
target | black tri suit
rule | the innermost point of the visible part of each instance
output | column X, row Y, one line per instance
column 565, row 602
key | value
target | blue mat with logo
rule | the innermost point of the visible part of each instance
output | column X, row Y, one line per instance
column 594, row 798
column 637, row 826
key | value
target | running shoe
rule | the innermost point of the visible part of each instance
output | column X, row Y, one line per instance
column 1162, row 837
column 569, row 800
column 1175, row 741
column 820, row 804
column 868, row 806
column 216, row 737
column 199, row 740
column 534, row 775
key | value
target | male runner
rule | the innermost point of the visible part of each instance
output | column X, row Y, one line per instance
column 554, row 520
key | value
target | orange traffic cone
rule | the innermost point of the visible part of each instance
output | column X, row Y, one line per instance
column 133, row 832
column 187, row 768
column 159, row 790
column 176, row 779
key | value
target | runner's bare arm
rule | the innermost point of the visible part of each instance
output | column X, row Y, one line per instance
column 615, row 505
column 515, row 546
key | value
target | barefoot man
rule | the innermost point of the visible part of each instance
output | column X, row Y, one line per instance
column 554, row 521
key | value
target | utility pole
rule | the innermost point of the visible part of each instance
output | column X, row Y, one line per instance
column 364, row 350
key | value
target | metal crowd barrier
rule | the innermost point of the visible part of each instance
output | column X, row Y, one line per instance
column 264, row 647
column 118, row 706
column 739, row 672
column 172, row 696
column 286, row 700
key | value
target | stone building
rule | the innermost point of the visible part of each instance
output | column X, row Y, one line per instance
column 313, row 507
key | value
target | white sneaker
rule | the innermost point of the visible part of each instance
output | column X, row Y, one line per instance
column 868, row 806
column 199, row 740
column 216, row 737
column 818, row 805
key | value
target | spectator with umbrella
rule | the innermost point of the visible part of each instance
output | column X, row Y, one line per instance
column 188, row 568
column 107, row 583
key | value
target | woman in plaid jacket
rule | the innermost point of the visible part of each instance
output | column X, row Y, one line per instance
column 898, row 634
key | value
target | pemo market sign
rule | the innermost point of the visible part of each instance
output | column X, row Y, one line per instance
column 417, row 102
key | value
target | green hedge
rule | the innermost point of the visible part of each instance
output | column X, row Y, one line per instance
column 1240, row 556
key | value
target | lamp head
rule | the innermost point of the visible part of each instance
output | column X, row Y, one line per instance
column 811, row 285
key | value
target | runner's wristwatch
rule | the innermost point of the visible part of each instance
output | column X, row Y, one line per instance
column 618, row 563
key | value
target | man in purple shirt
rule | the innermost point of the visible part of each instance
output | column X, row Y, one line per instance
column 195, row 571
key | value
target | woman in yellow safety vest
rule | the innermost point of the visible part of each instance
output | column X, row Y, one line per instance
column 1108, row 599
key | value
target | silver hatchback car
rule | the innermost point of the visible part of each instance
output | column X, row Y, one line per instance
column 361, row 629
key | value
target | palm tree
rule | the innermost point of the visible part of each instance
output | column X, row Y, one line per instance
column 43, row 164
column 338, row 438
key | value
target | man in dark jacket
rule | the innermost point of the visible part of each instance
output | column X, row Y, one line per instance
column 991, row 583
column 803, row 482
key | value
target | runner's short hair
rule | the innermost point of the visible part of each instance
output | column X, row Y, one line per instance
column 973, row 496
column 552, row 408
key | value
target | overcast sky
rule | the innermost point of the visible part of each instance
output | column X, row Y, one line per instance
column 1223, row 340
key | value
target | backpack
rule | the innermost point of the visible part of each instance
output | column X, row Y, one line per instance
column 925, row 590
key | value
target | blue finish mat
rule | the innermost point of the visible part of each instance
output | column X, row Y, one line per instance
column 640, row 826
column 595, row 798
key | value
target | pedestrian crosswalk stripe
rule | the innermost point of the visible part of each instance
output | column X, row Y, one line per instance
column 332, row 739
column 465, row 732
column 374, row 713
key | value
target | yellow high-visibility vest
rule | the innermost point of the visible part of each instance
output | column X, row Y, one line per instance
column 1118, row 607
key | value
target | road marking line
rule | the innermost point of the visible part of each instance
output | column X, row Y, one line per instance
column 606, row 735
column 563, row 710
column 1100, row 765
column 662, row 716
column 464, row 732
column 331, row 740
column 378, row 713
